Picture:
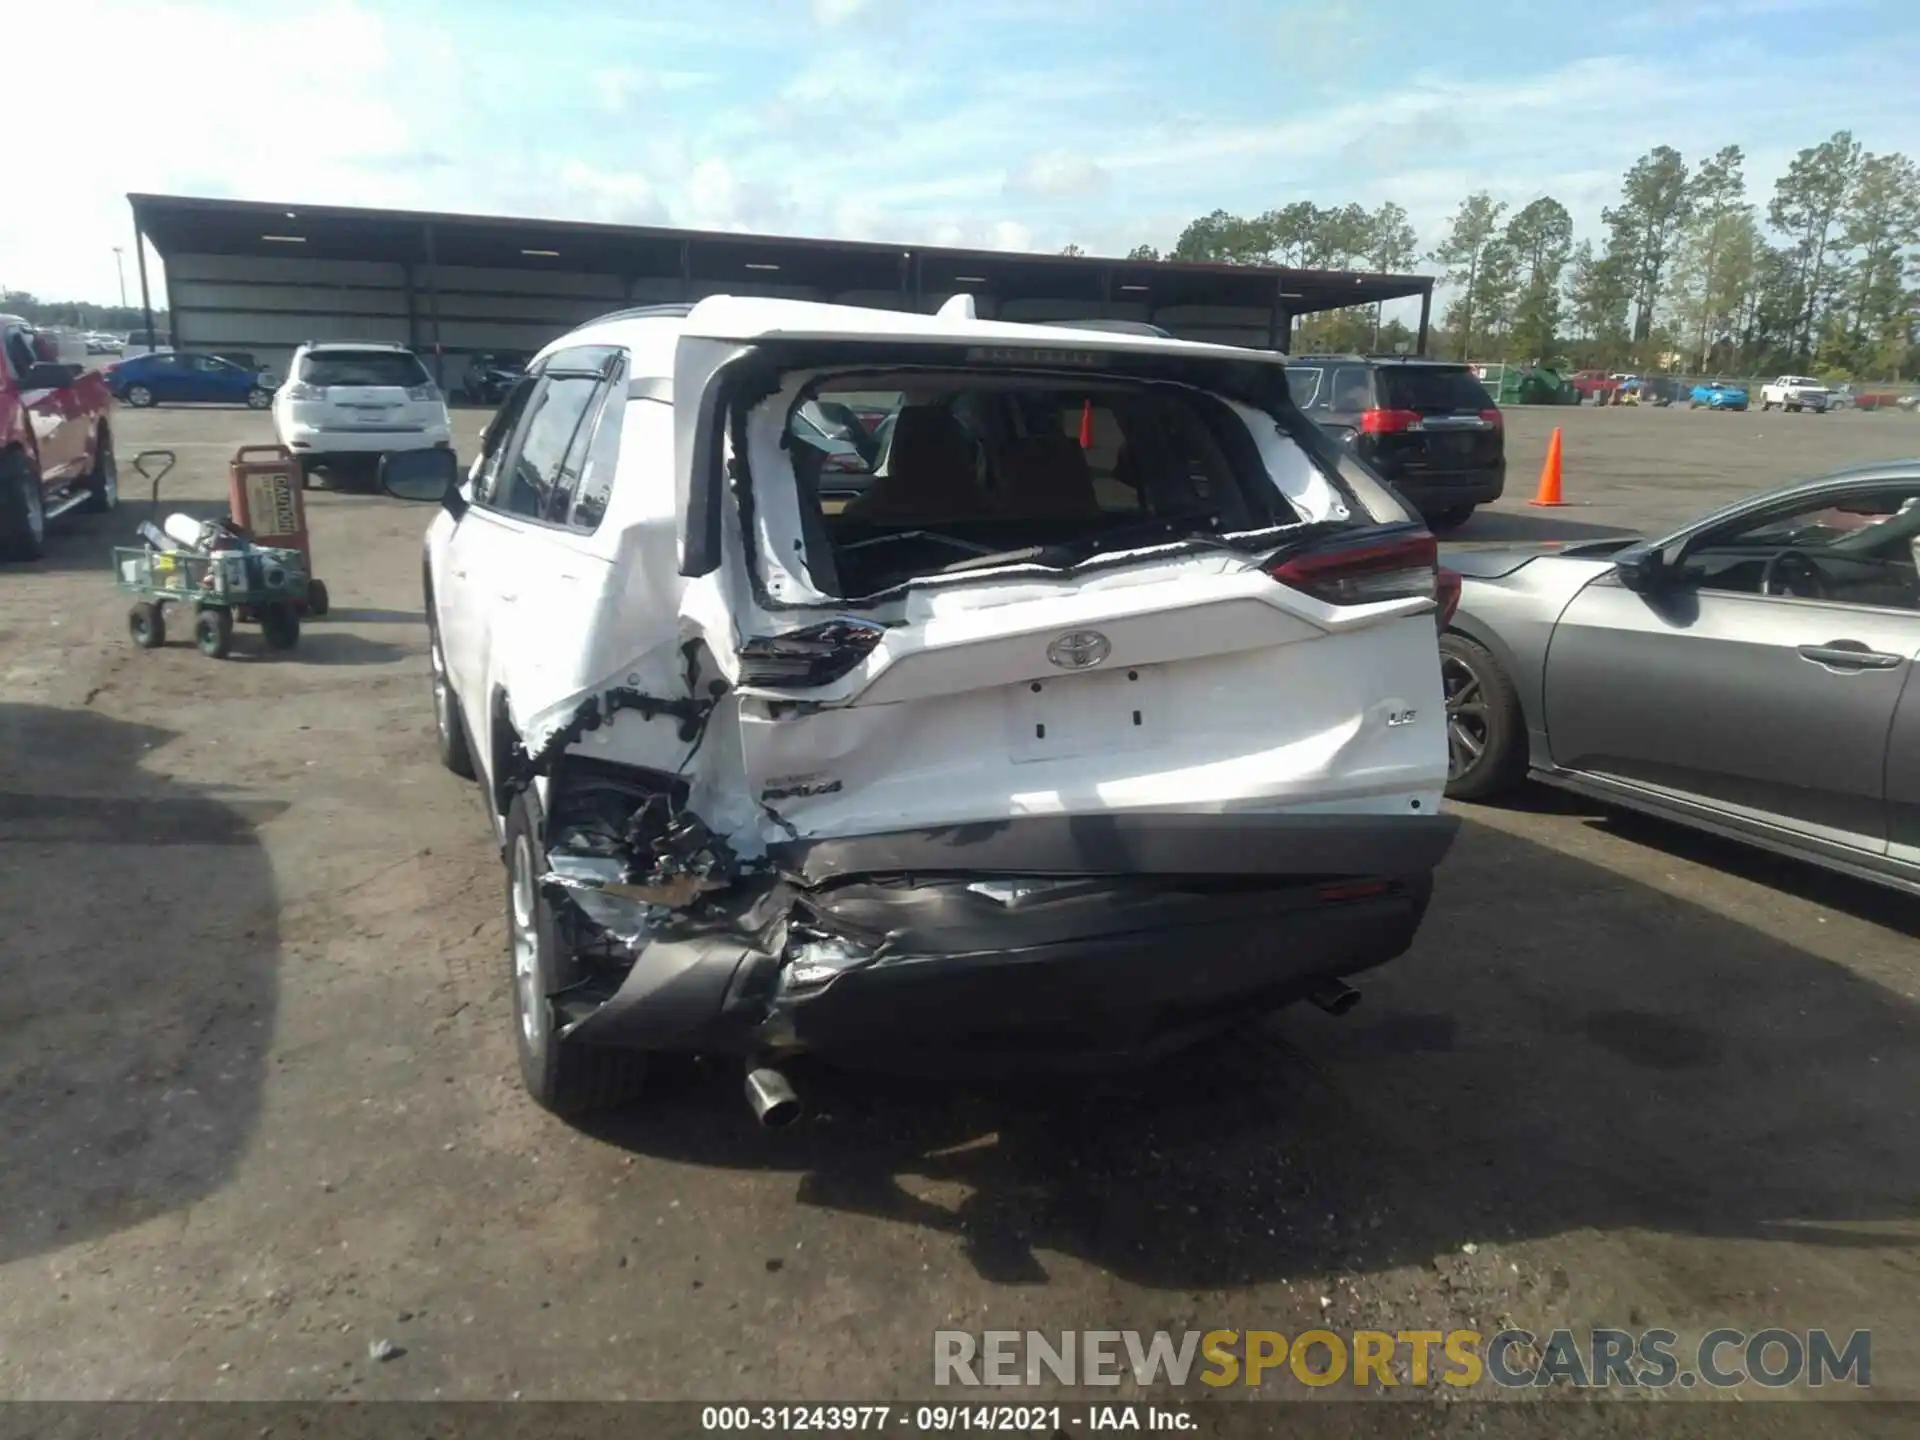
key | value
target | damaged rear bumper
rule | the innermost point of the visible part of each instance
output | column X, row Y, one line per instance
column 1050, row 940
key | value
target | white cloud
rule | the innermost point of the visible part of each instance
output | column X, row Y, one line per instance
column 617, row 197
column 837, row 12
column 1057, row 173
column 618, row 87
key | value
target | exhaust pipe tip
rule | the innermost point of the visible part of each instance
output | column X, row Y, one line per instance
column 771, row 1097
column 1336, row 997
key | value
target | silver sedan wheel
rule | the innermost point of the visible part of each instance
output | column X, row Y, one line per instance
column 1467, row 719
column 523, row 920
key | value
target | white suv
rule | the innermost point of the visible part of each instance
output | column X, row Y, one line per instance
column 1794, row 392
column 353, row 402
column 1108, row 714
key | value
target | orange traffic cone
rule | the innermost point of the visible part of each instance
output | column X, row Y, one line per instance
column 1549, row 491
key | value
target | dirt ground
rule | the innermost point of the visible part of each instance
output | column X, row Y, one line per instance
column 258, row 1106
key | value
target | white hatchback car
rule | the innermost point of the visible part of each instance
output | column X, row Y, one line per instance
column 1107, row 715
column 354, row 402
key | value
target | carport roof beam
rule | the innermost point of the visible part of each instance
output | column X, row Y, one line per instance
column 181, row 225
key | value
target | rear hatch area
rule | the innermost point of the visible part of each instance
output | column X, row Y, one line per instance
column 376, row 391
column 1066, row 595
column 1106, row 707
column 1433, row 420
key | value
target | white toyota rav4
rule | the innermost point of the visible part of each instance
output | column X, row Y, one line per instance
column 1104, row 713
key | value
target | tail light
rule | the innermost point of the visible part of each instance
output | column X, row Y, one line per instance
column 301, row 390
column 429, row 391
column 816, row 655
column 1493, row 418
column 1388, row 422
column 1447, row 593
column 1365, row 569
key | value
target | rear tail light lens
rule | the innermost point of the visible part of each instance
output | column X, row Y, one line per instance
column 1493, row 418
column 1388, row 422
column 1365, row 569
column 1447, row 593
column 428, row 391
column 301, row 390
column 817, row 655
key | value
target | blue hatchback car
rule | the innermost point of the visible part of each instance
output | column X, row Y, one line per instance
column 185, row 377
column 1718, row 395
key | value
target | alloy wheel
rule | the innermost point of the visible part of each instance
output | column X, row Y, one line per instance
column 1468, row 723
column 442, row 694
column 523, row 920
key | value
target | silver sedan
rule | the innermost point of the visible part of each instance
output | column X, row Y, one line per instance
column 1749, row 674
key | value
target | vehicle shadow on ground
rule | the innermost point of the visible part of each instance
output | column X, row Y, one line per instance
column 374, row 617
column 141, row 945
column 1500, row 526
column 1564, row 1048
column 1877, row 904
column 78, row 542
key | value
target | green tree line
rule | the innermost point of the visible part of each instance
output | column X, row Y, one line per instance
column 1690, row 273
column 76, row 314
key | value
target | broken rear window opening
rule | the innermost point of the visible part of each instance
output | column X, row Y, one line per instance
column 966, row 470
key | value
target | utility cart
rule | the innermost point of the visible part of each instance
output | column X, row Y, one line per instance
column 213, row 567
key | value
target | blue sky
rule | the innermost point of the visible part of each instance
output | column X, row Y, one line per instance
column 1007, row 123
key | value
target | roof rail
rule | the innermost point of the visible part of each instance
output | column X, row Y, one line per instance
column 675, row 310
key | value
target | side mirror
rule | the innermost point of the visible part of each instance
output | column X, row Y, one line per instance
column 49, row 375
column 429, row 475
column 1641, row 568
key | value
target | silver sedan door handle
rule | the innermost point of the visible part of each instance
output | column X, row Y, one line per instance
column 1849, row 655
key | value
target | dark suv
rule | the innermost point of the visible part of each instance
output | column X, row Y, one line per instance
column 1426, row 426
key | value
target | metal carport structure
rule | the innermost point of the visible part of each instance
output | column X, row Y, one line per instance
column 262, row 278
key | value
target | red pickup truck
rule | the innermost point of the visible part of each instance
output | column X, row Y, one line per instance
column 56, row 440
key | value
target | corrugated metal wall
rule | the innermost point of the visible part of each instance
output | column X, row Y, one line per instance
column 268, row 305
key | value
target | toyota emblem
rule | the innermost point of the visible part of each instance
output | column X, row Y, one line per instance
column 1079, row 650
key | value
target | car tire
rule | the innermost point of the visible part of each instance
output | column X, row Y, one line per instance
column 23, row 511
column 280, row 627
column 449, row 729
column 147, row 624
column 317, row 599
column 103, row 484
column 561, row 1074
column 139, row 397
column 1693, row 404
column 213, row 631
column 1451, row 518
column 1482, row 710
column 258, row 399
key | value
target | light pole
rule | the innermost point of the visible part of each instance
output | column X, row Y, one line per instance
column 120, row 266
